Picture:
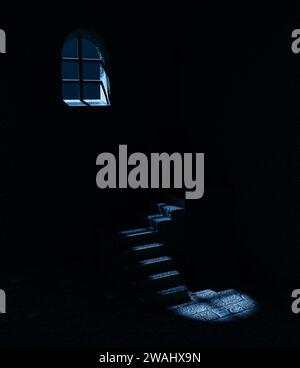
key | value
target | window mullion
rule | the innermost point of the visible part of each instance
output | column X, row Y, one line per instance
column 80, row 70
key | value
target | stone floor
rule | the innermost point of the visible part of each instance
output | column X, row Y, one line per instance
column 211, row 306
column 75, row 307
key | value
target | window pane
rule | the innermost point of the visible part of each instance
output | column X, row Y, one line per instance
column 91, row 71
column 70, row 91
column 91, row 91
column 70, row 48
column 89, row 50
column 70, row 70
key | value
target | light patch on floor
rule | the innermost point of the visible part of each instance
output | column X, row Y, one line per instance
column 212, row 306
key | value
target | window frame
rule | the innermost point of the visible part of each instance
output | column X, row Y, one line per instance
column 80, row 60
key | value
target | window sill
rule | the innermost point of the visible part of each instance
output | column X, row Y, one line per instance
column 86, row 103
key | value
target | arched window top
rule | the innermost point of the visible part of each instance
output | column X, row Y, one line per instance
column 85, row 79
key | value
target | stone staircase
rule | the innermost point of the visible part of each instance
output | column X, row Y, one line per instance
column 147, row 263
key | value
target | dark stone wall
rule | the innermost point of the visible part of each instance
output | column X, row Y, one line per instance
column 186, row 80
column 245, row 109
column 50, row 205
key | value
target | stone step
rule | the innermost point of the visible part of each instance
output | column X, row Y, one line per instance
column 175, row 295
column 164, row 279
column 138, row 236
column 172, row 296
column 172, row 211
column 149, row 250
column 159, row 221
column 158, row 281
column 156, row 265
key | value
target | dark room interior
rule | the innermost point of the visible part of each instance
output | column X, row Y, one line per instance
column 141, row 268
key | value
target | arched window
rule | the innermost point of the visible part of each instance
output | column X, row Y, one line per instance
column 84, row 72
